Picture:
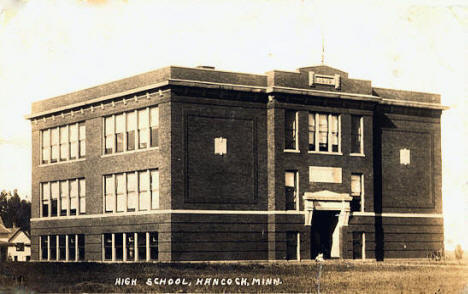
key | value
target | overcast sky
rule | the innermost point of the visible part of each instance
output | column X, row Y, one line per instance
column 48, row 48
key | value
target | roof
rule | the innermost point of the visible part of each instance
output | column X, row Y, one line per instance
column 150, row 80
column 14, row 232
column 3, row 243
column 325, row 69
column 406, row 95
column 210, row 78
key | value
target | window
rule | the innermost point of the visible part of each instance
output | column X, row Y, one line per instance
column 64, row 198
column 107, row 247
column 312, row 132
column 141, row 239
column 132, row 200
column 54, row 193
column 19, row 246
column 154, row 126
column 109, row 193
column 45, row 199
column 153, row 245
column 154, row 189
column 357, row 192
column 131, row 191
column 82, row 137
column 141, row 246
column 62, row 247
column 120, row 192
column 61, row 198
column 74, row 141
column 63, row 143
column 118, row 246
column 44, row 243
column 53, row 247
column 71, row 247
column 131, row 130
column 290, row 187
column 143, row 129
column 109, row 131
column 143, row 186
column 81, row 246
column 357, row 146
column 324, row 132
column 119, row 132
column 290, row 130
column 82, row 196
column 54, row 145
column 45, row 146
column 359, row 245
column 130, row 246
column 73, row 197
column 292, row 245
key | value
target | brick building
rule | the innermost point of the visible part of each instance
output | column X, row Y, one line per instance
column 201, row 164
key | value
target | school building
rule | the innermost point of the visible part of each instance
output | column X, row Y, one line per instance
column 202, row 164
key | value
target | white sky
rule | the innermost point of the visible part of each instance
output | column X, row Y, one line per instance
column 48, row 48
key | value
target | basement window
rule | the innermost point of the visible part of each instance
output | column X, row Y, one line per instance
column 62, row 247
column 131, row 246
column 293, row 246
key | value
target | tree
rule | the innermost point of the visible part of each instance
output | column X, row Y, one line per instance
column 14, row 211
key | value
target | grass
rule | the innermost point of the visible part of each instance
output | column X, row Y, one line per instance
column 336, row 277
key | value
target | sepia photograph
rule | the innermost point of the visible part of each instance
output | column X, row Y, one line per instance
column 221, row 146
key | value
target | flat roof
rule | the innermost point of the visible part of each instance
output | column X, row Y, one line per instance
column 292, row 82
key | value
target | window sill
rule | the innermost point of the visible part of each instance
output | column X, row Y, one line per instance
column 61, row 216
column 138, row 212
column 325, row 152
column 129, row 152
column 293, row 211
column 359, row 213
column 292, row 151
column 62, row 162
column 357, row 154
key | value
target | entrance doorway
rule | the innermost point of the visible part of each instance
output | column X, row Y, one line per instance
column 322, row 233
